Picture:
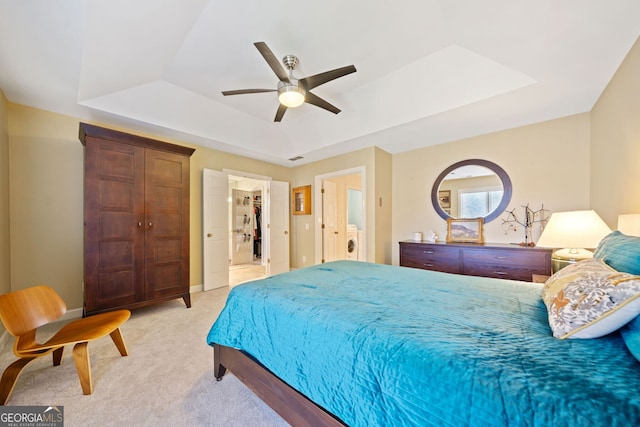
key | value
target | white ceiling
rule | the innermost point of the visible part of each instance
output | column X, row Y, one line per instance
column 429, row 71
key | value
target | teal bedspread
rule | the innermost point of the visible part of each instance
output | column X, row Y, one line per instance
column 378, row 345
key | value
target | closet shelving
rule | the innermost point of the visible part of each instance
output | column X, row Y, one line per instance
column 242, row 236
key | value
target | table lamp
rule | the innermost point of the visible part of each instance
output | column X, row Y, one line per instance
column 571, row 233
column 629, row 224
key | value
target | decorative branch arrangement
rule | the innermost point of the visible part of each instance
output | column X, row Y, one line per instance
column 531, row 217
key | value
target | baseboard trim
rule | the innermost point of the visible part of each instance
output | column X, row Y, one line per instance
column 74, row 313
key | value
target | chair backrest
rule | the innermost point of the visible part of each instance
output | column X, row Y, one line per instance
column 28, row 309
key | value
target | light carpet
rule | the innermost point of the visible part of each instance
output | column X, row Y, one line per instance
column 167, row 379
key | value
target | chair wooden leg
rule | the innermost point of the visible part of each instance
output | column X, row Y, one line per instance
column 57, row 356
column 116, row 336
column 83, row 366
column 10, row 377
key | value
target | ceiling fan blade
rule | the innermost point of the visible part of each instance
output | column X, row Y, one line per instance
column 281, row 110
column 318, row 79
column 245, row 91
column 272, row 61
column 319, row 102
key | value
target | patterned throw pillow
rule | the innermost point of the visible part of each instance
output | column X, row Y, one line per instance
column 589, row 299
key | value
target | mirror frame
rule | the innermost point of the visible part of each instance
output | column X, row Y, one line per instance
column 506, row 185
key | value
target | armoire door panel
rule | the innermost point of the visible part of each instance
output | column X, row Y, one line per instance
column 164, row 280
column 166, row 183
column 168, row 170
column 116, row 195
column 116, row 289
column 117, row 225
column 167, row 225
column 116, row 163
column 167, row 250
column 166, row 198
column 116, row 255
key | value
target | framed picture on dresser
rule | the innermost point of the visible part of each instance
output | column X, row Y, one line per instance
column 465, row 230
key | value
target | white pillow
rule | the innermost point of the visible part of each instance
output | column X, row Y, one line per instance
column 589, row 299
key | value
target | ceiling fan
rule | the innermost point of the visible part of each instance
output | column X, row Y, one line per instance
column 294, row 92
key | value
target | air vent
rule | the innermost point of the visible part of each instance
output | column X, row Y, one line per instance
column 293, row 159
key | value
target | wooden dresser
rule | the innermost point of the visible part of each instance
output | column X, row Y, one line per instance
column 499, row 260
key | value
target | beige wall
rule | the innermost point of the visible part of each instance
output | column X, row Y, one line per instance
column 303, row 240
column 46, row 200
column 46, row 208
column 377, row 166
column 615, row 143
column 5, row 254
column 383, row 207
column 548, row 163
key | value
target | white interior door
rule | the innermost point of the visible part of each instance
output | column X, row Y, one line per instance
column 330, row 221
column 215, row 206
column 278, row 227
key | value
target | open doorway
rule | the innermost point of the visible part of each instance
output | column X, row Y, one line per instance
column 246, row 222
column 340, row 216
column 226, row 230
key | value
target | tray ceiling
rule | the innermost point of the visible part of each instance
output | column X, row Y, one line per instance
column 429, row 72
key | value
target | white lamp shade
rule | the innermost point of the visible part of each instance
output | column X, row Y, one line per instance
column 629, row 224
column 575, row 229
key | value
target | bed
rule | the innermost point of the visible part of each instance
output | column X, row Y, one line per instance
column 365, row 344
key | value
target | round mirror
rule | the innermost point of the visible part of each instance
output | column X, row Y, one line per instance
column 471, row 189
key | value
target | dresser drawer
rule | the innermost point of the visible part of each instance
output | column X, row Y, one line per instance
column 505, row 264
column 500, row 271
column 505, row 257
column 430, row 257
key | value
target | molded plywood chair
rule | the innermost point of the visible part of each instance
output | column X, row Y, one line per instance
column 24, row 311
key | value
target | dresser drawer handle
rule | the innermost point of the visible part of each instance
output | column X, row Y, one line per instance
column 428, row 265
column 501, row 257
column 500, row 273
column 428, row 252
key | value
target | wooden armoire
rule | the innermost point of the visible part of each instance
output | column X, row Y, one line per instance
column 136, row 220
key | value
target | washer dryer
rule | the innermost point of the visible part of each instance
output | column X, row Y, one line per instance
column 352, row 242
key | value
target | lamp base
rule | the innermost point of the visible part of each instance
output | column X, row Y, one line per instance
column 564, row 257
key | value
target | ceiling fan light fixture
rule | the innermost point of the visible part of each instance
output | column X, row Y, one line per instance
column 291, row 91
column 291, row 95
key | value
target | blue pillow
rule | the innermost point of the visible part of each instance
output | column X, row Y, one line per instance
column 631, row 336
column 620, row 251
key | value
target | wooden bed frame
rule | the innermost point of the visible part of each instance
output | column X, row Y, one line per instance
column 289, row 403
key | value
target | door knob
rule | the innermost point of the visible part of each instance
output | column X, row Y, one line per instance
column 150, row 224
column 286, row 232
column 209, row 234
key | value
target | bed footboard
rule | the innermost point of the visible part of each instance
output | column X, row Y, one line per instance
column 289, row 403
